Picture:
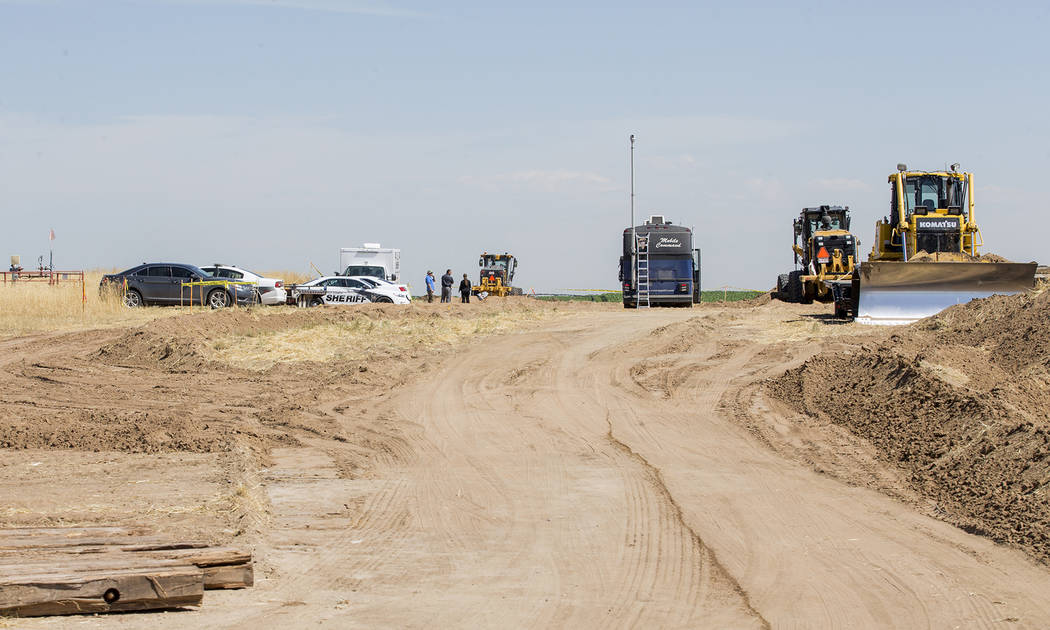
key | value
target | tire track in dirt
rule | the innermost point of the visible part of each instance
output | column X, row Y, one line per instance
column 655, row 479
column 510, row 483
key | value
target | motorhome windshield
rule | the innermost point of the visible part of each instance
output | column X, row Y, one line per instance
column 677, row 269
column 365, row 270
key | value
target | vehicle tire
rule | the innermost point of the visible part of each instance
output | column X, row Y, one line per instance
column 782, row 283
column 854, row 295
column 517, row 291
column 133, row 299
column 317, row 302
column 382, row 299
column 218, row 298
column 793, row 289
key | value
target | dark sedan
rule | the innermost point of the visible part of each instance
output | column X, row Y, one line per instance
column 164, row 283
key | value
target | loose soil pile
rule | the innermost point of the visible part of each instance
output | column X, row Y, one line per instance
column 961, row 402
column 171, row 386
column 923, row 256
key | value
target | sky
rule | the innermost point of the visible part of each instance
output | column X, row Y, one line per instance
column 270, row 133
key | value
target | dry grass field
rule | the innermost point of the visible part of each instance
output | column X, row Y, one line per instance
column 36, row 307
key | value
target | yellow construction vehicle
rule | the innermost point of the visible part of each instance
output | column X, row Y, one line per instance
column 925, row 258
column 497, row 274
column 828, row 252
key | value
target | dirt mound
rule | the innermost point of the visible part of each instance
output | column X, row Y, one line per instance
column 993, row 258
column 923, row 256
column 759, row 300
column 1013, row 330
column 959, row 401
column 164, row 388
column 133, row 431
column 147, row 348
column 177, row 344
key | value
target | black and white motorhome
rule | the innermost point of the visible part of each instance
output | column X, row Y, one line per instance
column 661, row 267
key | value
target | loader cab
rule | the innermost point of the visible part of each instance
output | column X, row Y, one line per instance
column 821, row 219
column 498, row 266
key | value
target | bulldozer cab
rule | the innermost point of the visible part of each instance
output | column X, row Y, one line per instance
column 930, row 212
column 928, row 193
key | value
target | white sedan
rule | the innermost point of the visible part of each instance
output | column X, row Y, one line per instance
column 340, row 290
column 271, row 290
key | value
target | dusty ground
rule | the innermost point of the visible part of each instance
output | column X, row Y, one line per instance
column 571, row 466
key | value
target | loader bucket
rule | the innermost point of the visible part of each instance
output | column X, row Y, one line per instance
column 902, row 292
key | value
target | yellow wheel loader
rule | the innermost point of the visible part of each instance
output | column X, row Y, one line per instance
column 925, row 258
column 827, row 253
column 497, row 273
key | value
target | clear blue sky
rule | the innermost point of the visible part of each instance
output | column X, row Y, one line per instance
column 271, row 133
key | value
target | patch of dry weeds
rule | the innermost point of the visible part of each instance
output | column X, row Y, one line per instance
column 361, row 337
column 35, row 307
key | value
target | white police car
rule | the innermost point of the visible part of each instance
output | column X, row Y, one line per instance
column 390, row 292
column 337, row 291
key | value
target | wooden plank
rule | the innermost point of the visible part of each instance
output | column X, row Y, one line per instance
column 84, row 550
column 206, row 557
column 229, row 576
column 12, row 533
column 198, row 555
column 63, row 593
column 168, row 545
column 223, row 567
column 55, row 542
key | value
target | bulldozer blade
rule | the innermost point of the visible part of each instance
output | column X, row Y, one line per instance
column 894, row 293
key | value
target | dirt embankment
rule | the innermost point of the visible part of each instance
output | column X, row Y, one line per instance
column 923, row 256
column 180, row 385
column 961, row 403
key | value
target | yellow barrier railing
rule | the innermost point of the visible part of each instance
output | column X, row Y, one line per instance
column 213, row 283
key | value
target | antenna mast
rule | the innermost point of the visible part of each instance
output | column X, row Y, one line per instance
column 632, row 187
column 634, row 236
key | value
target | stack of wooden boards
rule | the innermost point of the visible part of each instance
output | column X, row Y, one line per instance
column 69, row 570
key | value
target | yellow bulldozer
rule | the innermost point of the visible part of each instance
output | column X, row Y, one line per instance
column 925, row 256
column 497, row 274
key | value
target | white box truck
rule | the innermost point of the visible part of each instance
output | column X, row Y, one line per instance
column 371, row 260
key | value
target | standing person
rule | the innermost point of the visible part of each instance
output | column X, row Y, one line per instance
column 430, row 286
column 464, row 290
column 446, row 286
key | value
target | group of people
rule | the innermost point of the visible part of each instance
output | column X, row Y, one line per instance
column 446, row 287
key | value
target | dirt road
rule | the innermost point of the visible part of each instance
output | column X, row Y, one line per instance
column 607, row 469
